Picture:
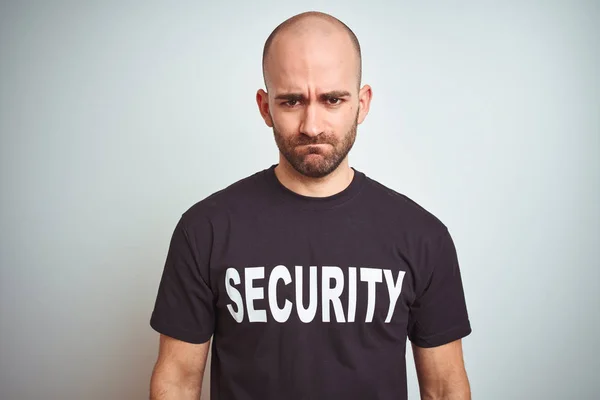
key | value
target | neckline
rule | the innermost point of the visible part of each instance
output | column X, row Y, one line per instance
column 310, row 202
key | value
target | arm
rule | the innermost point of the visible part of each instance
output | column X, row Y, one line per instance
column 179, row 370
column 441, row 372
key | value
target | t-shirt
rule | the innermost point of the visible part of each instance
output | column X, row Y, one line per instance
column 310, row 297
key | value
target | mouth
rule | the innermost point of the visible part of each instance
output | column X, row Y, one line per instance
column 316, row 149
column 316, row 145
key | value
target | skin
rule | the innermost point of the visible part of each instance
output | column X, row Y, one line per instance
column 441, row 372
column 179, row 370
column 313, row 104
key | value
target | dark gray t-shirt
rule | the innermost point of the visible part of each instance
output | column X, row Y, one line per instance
column 310, row 298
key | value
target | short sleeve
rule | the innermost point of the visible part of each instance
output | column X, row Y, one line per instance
column 439, row 313
column 184, row 307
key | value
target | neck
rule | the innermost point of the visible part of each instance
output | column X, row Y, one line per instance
column 326, row 186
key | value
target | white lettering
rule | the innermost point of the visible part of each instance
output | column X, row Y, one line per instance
column 371, row 276
column 232, row 275
column 394, row 290
column 279, row 314
column 327, row 292
column 332, row 294
column 351, row 294
column 306, row 314
column 254, row 293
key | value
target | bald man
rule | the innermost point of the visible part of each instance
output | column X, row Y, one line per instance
column 309, row 275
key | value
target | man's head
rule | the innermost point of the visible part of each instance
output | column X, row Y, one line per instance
column 312, row 72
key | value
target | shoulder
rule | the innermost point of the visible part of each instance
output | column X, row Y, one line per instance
column 245, row 194
column 401, row 210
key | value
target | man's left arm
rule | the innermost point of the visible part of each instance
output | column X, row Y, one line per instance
column 441, row 372
column 438, row 320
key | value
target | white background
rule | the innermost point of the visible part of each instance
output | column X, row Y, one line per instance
column 116, row 116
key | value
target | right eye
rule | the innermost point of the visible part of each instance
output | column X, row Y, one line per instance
column 291, row 103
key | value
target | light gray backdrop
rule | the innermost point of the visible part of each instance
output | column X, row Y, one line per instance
column 116, row 116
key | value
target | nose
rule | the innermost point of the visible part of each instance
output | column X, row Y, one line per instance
column 311, row 121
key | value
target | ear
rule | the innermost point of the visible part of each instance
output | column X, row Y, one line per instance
column 364, row 102
column 262, row 100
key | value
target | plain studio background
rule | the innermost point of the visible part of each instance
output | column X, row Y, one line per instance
column 115, row 118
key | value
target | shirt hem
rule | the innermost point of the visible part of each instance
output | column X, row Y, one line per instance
column 179, row 333
column 443, row 338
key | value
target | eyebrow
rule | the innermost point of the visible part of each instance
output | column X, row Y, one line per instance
column 334, row 94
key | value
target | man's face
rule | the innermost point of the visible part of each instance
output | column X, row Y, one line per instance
column 313, row 99
column 316, row 156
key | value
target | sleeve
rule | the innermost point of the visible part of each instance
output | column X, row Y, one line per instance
column 439, row 313
column 184, row 307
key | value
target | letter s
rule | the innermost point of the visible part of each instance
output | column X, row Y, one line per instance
column 233, row 275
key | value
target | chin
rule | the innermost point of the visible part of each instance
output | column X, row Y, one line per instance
column 316, row 169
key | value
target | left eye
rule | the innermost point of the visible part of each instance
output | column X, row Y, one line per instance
column 333, row 101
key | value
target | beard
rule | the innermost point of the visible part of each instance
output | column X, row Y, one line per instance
column 318, row 161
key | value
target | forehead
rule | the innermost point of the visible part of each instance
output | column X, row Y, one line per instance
column 298, row 61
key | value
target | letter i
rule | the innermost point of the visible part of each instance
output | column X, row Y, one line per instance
column 351, row 294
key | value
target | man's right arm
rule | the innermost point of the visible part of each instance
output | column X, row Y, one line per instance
column 179, row 370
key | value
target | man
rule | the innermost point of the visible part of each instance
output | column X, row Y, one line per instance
column 309, row 275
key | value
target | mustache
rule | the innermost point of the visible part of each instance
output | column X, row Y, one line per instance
column 320, row 139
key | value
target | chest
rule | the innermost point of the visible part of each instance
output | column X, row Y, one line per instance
column 301, row 269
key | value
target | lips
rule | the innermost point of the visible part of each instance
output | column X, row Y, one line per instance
column 315, row 149
column 312, row 144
